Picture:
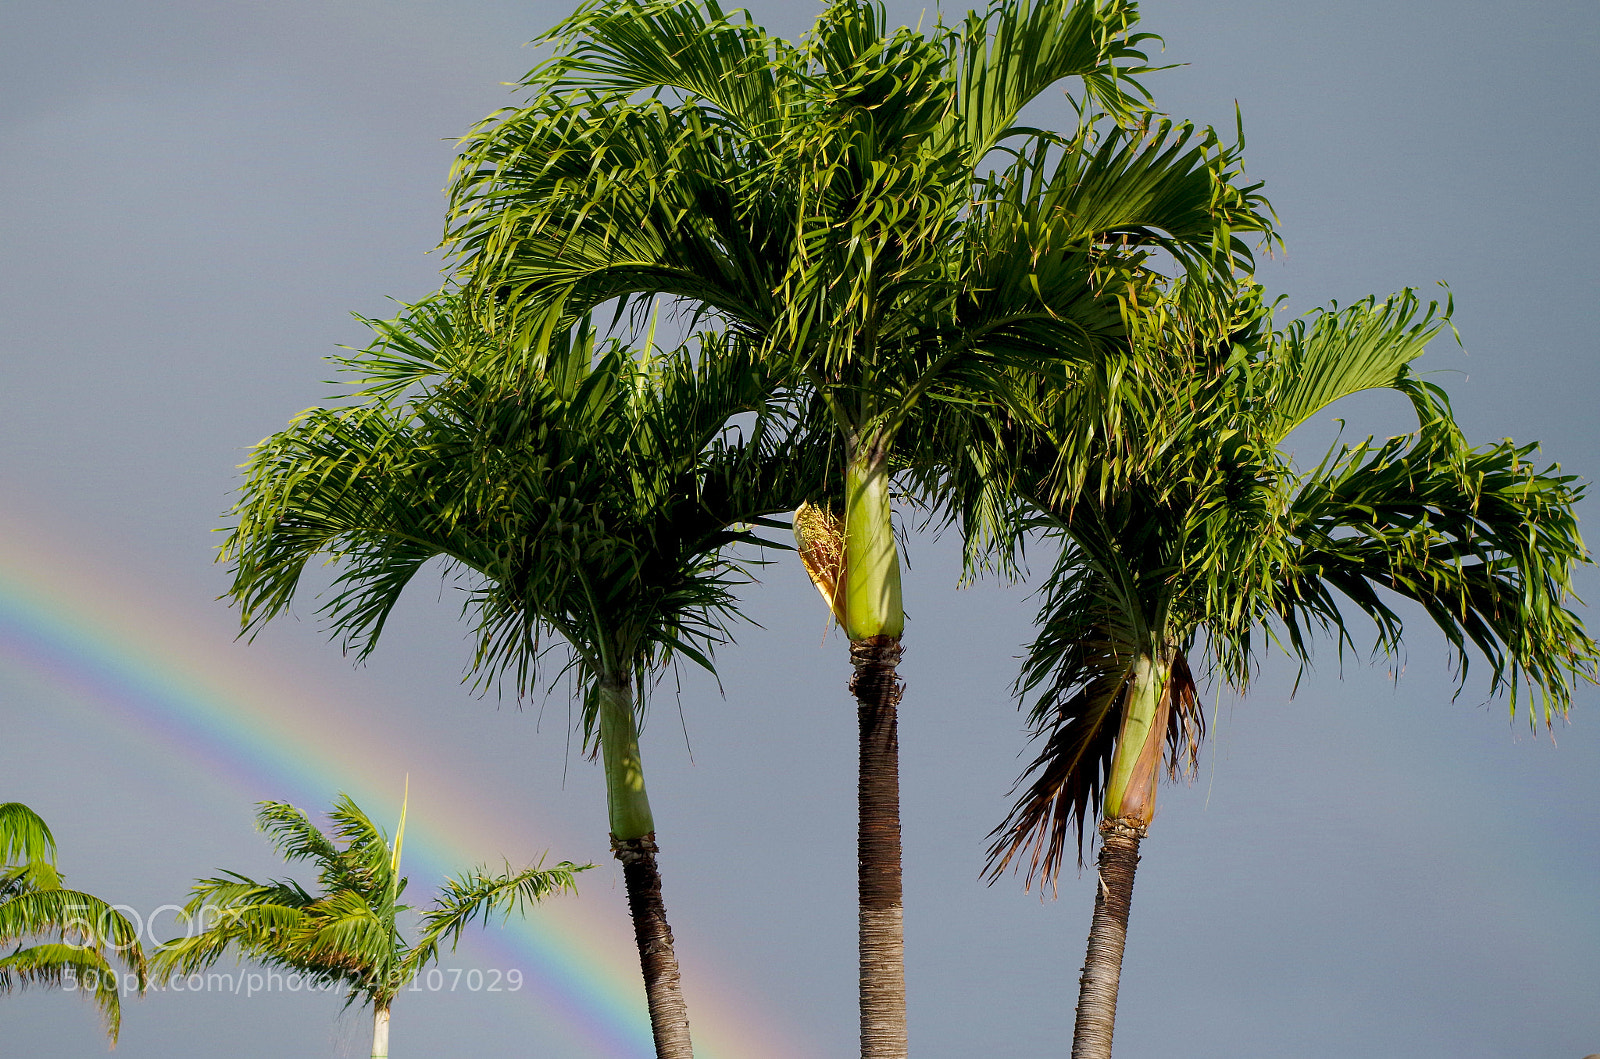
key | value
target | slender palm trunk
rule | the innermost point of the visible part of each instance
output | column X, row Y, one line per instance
column 882, row 938
column 633, row 840
column 874, row 618
column 1129, row 806
column 380, row 1031
column 669, row 1018
column 1102, row 967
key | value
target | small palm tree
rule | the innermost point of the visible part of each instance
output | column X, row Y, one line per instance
column 1218, row 540
column 587, row 495
column 347, row 933
column 85, row 934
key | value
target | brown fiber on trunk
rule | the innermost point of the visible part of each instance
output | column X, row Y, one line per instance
column 883, row 979
column 1097, row 989
column 669, row 1018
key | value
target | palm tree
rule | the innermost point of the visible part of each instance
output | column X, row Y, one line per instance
column 85, row 934
column 1219, row 539
column 833, row 203
column 590, row 497
column 348, row 932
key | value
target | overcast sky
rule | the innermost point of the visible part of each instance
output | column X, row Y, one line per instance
column 195, row 196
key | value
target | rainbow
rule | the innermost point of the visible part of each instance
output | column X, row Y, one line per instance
column 86, row 636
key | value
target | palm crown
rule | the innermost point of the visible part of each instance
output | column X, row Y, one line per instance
column 594, row 497
column 1218, row 539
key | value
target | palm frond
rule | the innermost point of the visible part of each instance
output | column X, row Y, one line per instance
column 57, row 965
column 1336, row 352
column 62, row 913
column 1014, row 51
column 24, row 836
column 476, row 894
column 1480, row 538
column 293, row 835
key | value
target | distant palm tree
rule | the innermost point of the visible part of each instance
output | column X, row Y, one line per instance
column 864, row 207
column 586, row 494
column 347, row 933
column 86, row 934
column 1219, row 540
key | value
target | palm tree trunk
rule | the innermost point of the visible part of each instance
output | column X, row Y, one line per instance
column 633, row 840
column 877, row 690
column 380, row 1031
column 1102, row 967
column 669, row 1017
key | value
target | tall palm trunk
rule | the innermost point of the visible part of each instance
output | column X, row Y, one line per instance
column 874, row 620
column 633, row 840
column 882, row 937
column 1102, row 967
column 380, row 1031
column 1129, row 805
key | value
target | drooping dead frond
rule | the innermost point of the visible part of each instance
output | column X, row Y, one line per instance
column 1186, row 720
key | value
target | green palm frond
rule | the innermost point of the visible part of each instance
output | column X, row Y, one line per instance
column 603, row 487
column 60, row 913
column 366, row 861
column 1013, row 52
column 616, row 50
column 836, row 215
column 1335, row 352
column 88, row 939
column 29, row 876
column 24, row 836
column 55, row 965
column 1480, row 538
column 476, row 894
column 349, row 930
column 293, row 834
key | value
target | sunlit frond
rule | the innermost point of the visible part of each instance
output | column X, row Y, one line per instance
column 1011, row 53
column 476, row 894
column 24, row 836
column 1337, row 352
column 55, row 965
column 293, row 834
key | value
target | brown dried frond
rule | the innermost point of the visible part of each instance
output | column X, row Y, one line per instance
column 1186, row 720
column 1063, row 787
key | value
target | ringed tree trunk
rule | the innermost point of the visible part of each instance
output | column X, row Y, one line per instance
column 380, row 1031
column 1129, row 806
column 633, row 841
column 874, row 619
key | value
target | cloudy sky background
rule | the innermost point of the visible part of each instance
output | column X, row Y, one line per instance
column 194, row 197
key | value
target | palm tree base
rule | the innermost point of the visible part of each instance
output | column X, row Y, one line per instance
column 669, row 1017
column 1102, row 967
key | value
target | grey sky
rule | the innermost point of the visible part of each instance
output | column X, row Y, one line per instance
column 193, row 198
